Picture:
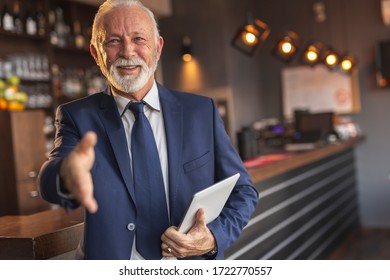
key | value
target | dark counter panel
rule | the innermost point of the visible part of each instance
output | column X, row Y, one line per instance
column 302, row 213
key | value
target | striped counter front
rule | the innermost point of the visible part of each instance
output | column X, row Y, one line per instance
column 307, row 203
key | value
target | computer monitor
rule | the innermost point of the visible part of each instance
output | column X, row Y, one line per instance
column 316, row 126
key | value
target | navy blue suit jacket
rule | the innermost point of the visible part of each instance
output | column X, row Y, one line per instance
column 199, row 154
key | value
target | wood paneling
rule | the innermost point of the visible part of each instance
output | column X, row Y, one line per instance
column 22, row 146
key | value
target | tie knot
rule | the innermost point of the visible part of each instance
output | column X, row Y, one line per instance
column 137, row 108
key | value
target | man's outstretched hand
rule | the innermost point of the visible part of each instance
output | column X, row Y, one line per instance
column 75, row 172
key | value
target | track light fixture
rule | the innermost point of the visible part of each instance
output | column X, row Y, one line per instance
column 249, row 36
column 331, row 59
column 348, row 62
column 254, row 32
column 287, row 46
column 312, row 53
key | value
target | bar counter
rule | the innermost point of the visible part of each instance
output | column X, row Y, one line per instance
column 307, row 204
column 298, row 159
column 43, row 235
column 286, row 187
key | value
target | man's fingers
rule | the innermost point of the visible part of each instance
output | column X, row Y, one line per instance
column 86, row 198
column 88, row 141
column 75, row 171
column 200, row 217
column 90, row 204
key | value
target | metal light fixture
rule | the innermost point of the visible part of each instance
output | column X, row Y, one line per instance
column 331, row 59
column 186, row 53
column 249, row 36
column 312, row 53
column 287, row 46
column 348, row 62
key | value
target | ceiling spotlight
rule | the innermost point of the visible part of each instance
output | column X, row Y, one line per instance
column 287, row 46
column 249, row 36
column 312, row 53
column 348, row 62
column 331, row 59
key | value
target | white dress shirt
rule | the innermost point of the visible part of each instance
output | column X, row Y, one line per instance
column 153, row 112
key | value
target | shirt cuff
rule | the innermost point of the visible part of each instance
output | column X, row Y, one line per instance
column 62, row 192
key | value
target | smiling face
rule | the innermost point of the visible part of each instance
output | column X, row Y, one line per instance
column 128, row 51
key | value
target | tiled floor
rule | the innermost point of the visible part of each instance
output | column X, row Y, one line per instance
column 364, row 244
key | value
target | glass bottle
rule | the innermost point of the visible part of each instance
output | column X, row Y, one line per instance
column 7, row 18
column 18, row 24
column 79, row 39
column 41, row 20
column 31, row 23
column 61, row 28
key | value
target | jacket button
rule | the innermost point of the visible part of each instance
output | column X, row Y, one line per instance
column 131, row 226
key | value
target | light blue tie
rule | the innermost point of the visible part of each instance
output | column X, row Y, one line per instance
column 152, row 212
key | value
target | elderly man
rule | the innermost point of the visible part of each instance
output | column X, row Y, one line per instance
column 135, row 154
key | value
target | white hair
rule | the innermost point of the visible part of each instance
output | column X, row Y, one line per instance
column 107, row 6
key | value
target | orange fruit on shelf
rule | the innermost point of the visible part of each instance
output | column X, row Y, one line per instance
column 15, row 106
column 3, row 104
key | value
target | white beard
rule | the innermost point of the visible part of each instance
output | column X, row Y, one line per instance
column 130, row 83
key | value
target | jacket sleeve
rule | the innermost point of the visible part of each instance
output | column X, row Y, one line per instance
column 48, row 181
column 244, row 198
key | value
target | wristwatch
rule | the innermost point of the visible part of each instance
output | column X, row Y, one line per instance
column 211, row 254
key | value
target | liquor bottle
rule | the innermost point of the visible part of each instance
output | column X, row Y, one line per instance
column 7, row 18
column 53, row 33
column 41, row 20
column 31, row 23
column 79, row 39
column 18, row 24
column 62, row 30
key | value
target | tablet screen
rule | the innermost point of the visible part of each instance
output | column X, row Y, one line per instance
column 211, row 199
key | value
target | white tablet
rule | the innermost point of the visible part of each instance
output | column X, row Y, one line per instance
column 211, row 199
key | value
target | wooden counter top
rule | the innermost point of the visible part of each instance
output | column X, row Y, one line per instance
column 298, row 159
column 40, row 236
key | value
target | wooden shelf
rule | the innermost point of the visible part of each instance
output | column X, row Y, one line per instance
column 12, row 36
column 64, row 58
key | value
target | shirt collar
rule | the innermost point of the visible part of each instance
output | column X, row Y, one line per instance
column 151, row 99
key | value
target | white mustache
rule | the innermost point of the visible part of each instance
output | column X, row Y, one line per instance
column 121, row 62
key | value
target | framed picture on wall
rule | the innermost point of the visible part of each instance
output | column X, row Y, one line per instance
column 318, row 89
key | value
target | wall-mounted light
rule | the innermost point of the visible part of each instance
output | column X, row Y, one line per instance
column 186, row 50
column 250, row 35
column 312, row 53
column 287, row 46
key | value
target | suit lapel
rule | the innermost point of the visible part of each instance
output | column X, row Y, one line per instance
column 114, row 128
column 173, row 122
